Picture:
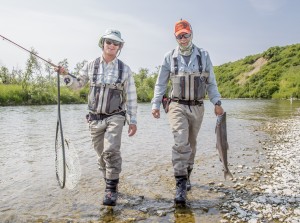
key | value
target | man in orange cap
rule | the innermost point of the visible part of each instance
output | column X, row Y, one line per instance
column 191, row 73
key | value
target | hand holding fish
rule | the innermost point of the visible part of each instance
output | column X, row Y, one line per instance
column 219, row 110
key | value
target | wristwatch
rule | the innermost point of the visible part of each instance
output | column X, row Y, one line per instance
column 218, row 103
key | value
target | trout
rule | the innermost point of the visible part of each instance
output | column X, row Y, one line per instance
column 222, row 144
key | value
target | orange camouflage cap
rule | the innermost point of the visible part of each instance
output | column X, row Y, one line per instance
column 182, row 26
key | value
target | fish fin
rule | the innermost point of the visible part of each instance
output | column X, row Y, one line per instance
column 227, row 173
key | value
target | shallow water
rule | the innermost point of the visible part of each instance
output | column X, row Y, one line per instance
column 28, row 187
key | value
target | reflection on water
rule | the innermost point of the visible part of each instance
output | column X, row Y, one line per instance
column 266, row 109
column 108, row 215
column 28, row 187
column 184, row 215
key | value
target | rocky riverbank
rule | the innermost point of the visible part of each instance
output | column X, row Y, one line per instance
column 272, row 192
column 266, row 188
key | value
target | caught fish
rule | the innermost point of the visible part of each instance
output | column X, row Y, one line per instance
column 222, row 144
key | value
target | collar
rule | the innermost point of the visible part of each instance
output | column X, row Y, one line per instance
column 176, row 52
column 114, row 61
column 195, row 52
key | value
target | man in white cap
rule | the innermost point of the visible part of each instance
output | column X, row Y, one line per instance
column 191, row 72
column 112, row 97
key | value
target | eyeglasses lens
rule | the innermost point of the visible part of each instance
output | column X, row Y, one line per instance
column 109, row 42
column 186, row 35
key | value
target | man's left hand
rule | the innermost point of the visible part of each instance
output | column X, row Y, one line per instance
column 132, row 129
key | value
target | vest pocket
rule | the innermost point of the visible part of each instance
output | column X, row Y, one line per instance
column 178, row 90
column 93, row 98
column 199, row 87
column 114, row 101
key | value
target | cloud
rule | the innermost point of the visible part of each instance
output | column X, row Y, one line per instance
column 267, row 6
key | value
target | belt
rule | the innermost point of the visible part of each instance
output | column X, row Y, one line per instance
column 92, row 116
column 186, row 102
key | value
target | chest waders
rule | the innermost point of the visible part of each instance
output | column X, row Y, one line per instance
column 188, row 86
column 106, row 98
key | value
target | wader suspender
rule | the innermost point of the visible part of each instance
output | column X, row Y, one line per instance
column 198, row 58
column 96, row 67
column 175, row 63
column 120, row 68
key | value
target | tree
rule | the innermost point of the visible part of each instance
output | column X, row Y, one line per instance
column 64, row 63
column 32, row 65
column 4, row 75
column 78, row 67
column 49, row 69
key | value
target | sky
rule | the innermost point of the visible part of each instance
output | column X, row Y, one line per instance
column 70, row 29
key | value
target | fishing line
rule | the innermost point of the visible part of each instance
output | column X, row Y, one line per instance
column 67, row 164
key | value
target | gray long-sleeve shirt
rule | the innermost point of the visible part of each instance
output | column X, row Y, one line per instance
column 167, row 67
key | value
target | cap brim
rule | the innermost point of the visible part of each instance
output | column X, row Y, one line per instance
column 182, row 31
column 113, row 37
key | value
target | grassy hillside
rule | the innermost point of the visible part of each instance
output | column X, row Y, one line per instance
column 274, row 73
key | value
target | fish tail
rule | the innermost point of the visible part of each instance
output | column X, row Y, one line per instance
column 227, row 174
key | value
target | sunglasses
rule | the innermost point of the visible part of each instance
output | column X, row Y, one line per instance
column 110, row 41
column 185, row 35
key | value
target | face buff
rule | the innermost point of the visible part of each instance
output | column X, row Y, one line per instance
column 186, row 50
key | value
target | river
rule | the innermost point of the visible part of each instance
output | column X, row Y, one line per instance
column 29, row 191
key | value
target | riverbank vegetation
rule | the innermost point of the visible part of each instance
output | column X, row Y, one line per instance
column 273, row 74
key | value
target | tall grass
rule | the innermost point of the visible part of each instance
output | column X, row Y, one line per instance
column 11, row 94
column 14, row 95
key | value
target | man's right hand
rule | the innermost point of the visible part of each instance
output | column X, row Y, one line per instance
column 156, row 113
column 61, row 70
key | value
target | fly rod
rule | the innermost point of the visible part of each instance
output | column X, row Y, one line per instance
column 60, row 151
column 52, row 64
column 4, row 38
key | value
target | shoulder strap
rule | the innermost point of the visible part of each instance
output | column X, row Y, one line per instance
column 199, row 61
column 120, row 68
column 96, row 67
column 175, row 63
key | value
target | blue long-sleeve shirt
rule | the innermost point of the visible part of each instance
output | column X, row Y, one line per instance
column 167, row 67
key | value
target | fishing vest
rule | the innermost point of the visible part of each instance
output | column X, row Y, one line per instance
column 188, row 86
column 106, row 98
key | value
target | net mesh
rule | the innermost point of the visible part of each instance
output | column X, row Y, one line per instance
column 73, row 169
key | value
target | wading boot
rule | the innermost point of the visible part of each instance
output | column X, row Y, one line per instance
column 111, row 192
column 188, row 182
column 180, row 197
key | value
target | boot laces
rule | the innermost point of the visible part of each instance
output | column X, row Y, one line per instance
column 110, row 195
column 181, row 190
